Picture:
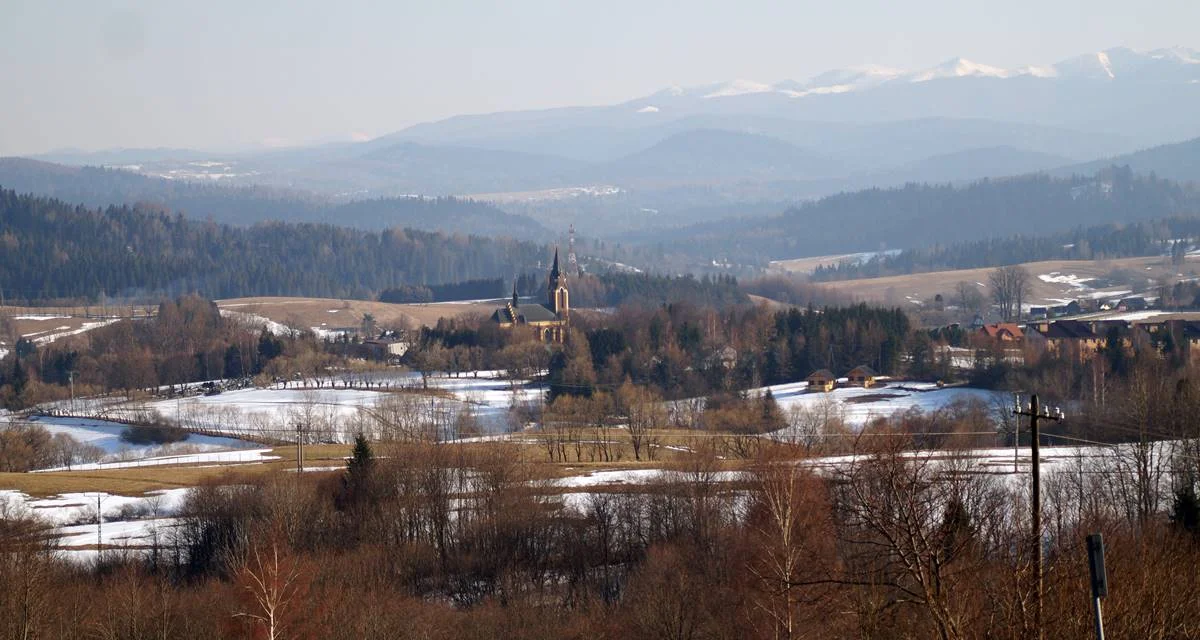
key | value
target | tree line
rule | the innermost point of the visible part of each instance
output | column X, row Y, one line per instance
column 99, row 187
column 679, row 350
column 53, row 250
column 1170, row 236
column 187, row 341
column 924, row 215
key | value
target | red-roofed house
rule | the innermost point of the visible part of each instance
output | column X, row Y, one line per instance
column 1002, row 331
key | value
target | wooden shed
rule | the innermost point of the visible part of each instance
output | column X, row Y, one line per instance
column 822, row 380
column 862, row 376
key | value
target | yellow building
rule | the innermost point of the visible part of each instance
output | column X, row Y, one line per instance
column 862, row 376
column 822, row 380
column 548, row 321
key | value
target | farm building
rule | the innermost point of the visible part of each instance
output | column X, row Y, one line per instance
column 862, row 376
column 821, row 380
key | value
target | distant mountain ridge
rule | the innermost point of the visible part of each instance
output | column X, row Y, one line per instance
column 244, row 205
column 1179, row 161
column 921, row 215
column 1173, row 64
column 745, row 145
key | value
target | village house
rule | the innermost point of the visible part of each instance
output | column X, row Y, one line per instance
column 548, row 321
column 1003, row 332
column 1068, row 337
column 1132, row 304
column 821, row 380
column 862, row 376
column 386, row 348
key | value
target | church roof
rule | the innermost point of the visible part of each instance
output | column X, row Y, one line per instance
column 536, row 313
column 526, row 313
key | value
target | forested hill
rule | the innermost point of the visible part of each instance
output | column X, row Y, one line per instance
column 242, row 205
column 50, row 249
column 1173, row 237
column 916, row 216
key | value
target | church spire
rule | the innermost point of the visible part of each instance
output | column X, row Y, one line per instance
column 554, row 270
column 514, row 298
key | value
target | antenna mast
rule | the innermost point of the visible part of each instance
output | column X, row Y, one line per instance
column 572, row 262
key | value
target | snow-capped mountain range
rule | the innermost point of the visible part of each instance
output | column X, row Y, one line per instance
column 1175, row 64
column 842, row 129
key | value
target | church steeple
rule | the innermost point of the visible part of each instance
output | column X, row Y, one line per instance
column 514, row 298
column 556, row 289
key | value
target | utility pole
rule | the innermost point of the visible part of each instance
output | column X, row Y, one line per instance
column 1036, row 412
column 299, row 448
column 1095, row 547
column 1017, row 440
column 71, row 379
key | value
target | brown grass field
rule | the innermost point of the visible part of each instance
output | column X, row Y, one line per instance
column 527, row 448
column 329, row 313
column 922, row 286
column 810, row 264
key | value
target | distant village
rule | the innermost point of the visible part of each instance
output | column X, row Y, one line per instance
column 1081, row 328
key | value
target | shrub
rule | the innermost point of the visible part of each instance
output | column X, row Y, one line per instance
column 153, row 434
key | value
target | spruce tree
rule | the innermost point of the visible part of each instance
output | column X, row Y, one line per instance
column 1185, row 512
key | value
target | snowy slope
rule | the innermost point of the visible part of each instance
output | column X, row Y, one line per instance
column 107, row 436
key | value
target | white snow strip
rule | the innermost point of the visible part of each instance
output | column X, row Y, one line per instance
column 223, row 457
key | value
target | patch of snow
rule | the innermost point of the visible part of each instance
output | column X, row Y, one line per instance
column 245, row 456
column 737, row 88
column 1038, row 71
column 1105, row 63
column 65, row 331
column 636, row 476
column 1069, row 279
column 958, row 68
column 257, row 323
column 818, row 91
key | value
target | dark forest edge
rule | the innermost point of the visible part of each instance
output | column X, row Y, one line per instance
column 1168, row 237
column 925, row 215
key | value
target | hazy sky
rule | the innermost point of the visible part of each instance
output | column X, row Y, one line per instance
column 243, row 73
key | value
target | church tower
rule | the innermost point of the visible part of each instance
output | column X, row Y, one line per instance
column 556, row 290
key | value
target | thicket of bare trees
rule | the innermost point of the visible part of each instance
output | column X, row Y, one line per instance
column 1010, row 287
column 447, row 541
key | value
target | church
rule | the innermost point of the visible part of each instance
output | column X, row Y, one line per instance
column 549, row 320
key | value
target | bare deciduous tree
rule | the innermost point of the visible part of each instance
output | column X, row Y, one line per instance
column 1010, row 287
column 272, row 583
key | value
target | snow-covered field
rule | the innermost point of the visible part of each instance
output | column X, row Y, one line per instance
column 335, row 413
column 857, row 406
column 270, row 402
column 107, row 436
column 128, row 523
